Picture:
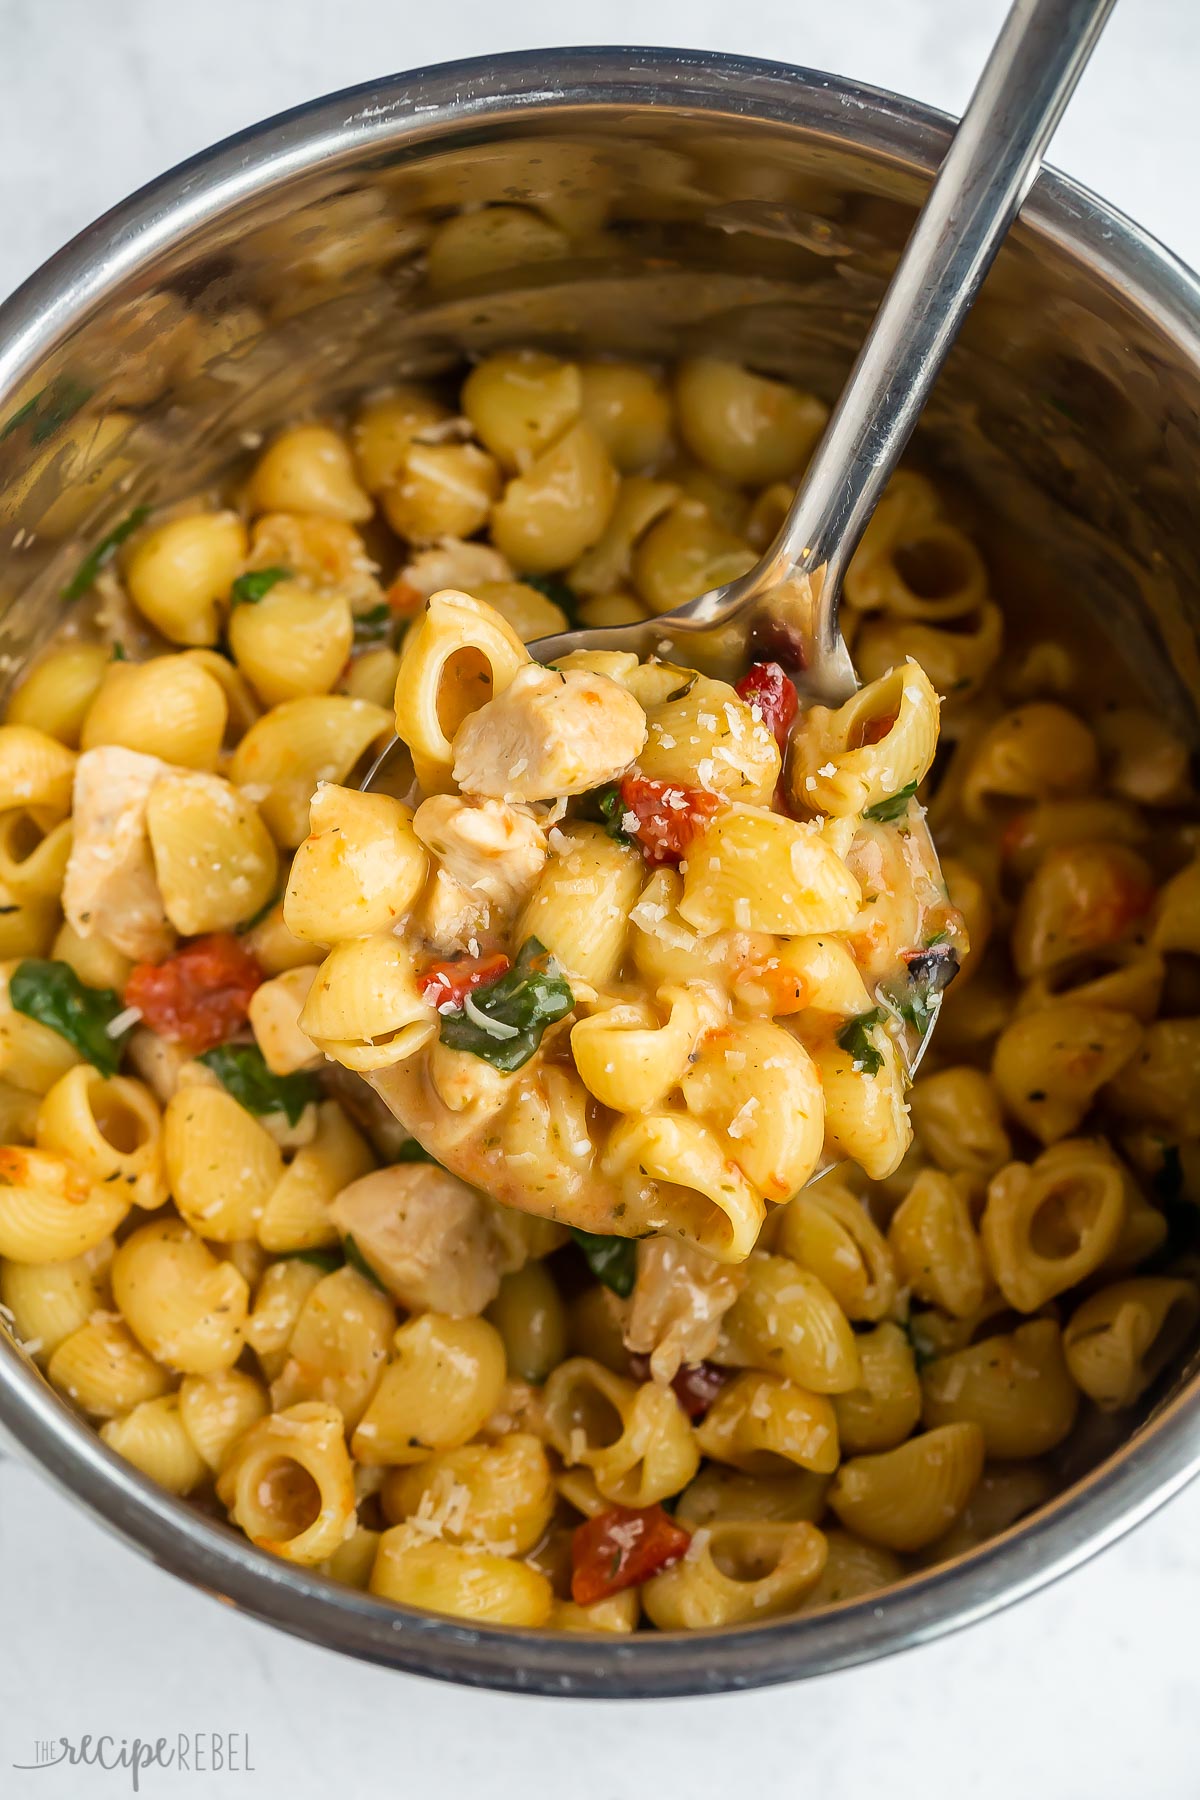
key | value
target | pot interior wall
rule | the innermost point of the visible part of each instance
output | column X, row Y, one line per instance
column 1070, row 417
column 1066, row 415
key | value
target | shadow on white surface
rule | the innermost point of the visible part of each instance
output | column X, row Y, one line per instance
column 1086, row 1692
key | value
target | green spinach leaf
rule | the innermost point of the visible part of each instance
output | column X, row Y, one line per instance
column 373, row 627
column 52, row 993
column 504, row 1021
column 612, row 1260
column 886, row 812
column 612, row 811
column 853, row 1039
column 328, row 1260
column 240, row 1069
column 250, row 588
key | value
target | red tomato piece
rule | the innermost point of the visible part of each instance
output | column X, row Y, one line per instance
column 667, row 815
column 875, row 730
column 622, row 1547
column 696, row 1385
column 453, row 981
column 200, row 995
column 1015, row 837
column 765, row 686
column 404, row 601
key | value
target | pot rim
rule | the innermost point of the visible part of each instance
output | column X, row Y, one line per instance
column 419, row 104
column 416, row 107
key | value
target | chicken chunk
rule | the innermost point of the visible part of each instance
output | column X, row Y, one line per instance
column 427, row 1235
column 679, row 1299
column 454, row 563
column 484, row 845
column 551, row 732
column 452, row 916
column 159, row 1063
column 110, row 886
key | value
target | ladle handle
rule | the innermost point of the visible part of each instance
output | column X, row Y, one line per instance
column 989, row 168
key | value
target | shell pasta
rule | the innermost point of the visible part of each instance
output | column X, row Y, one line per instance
column 626, row 1103
column 529, row 1190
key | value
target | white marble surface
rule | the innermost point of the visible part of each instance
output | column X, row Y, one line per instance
column 1087, row 1692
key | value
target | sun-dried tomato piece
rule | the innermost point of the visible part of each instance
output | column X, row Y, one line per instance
column 664, row 816
column 453, row 981
column 200, row 996
column 875, row 730
column 695, row 1385
column 622, row 1547
column 765, row 686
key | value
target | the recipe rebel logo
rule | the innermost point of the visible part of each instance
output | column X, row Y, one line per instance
column 189, row 1753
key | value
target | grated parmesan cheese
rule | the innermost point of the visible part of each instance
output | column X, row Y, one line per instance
column 743, row 1120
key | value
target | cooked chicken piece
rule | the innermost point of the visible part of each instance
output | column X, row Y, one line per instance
column 551, row 732
column 524, row 1235
column 159, row 1063
column 110, row 886
column 484, row 845
column 428, row 1237
column 455, row 564
column 452, row 916
column 679, row 1299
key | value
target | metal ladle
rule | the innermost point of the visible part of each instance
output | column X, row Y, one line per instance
column 786, row 606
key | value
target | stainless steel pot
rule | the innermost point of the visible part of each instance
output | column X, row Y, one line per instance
column 700, row 201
